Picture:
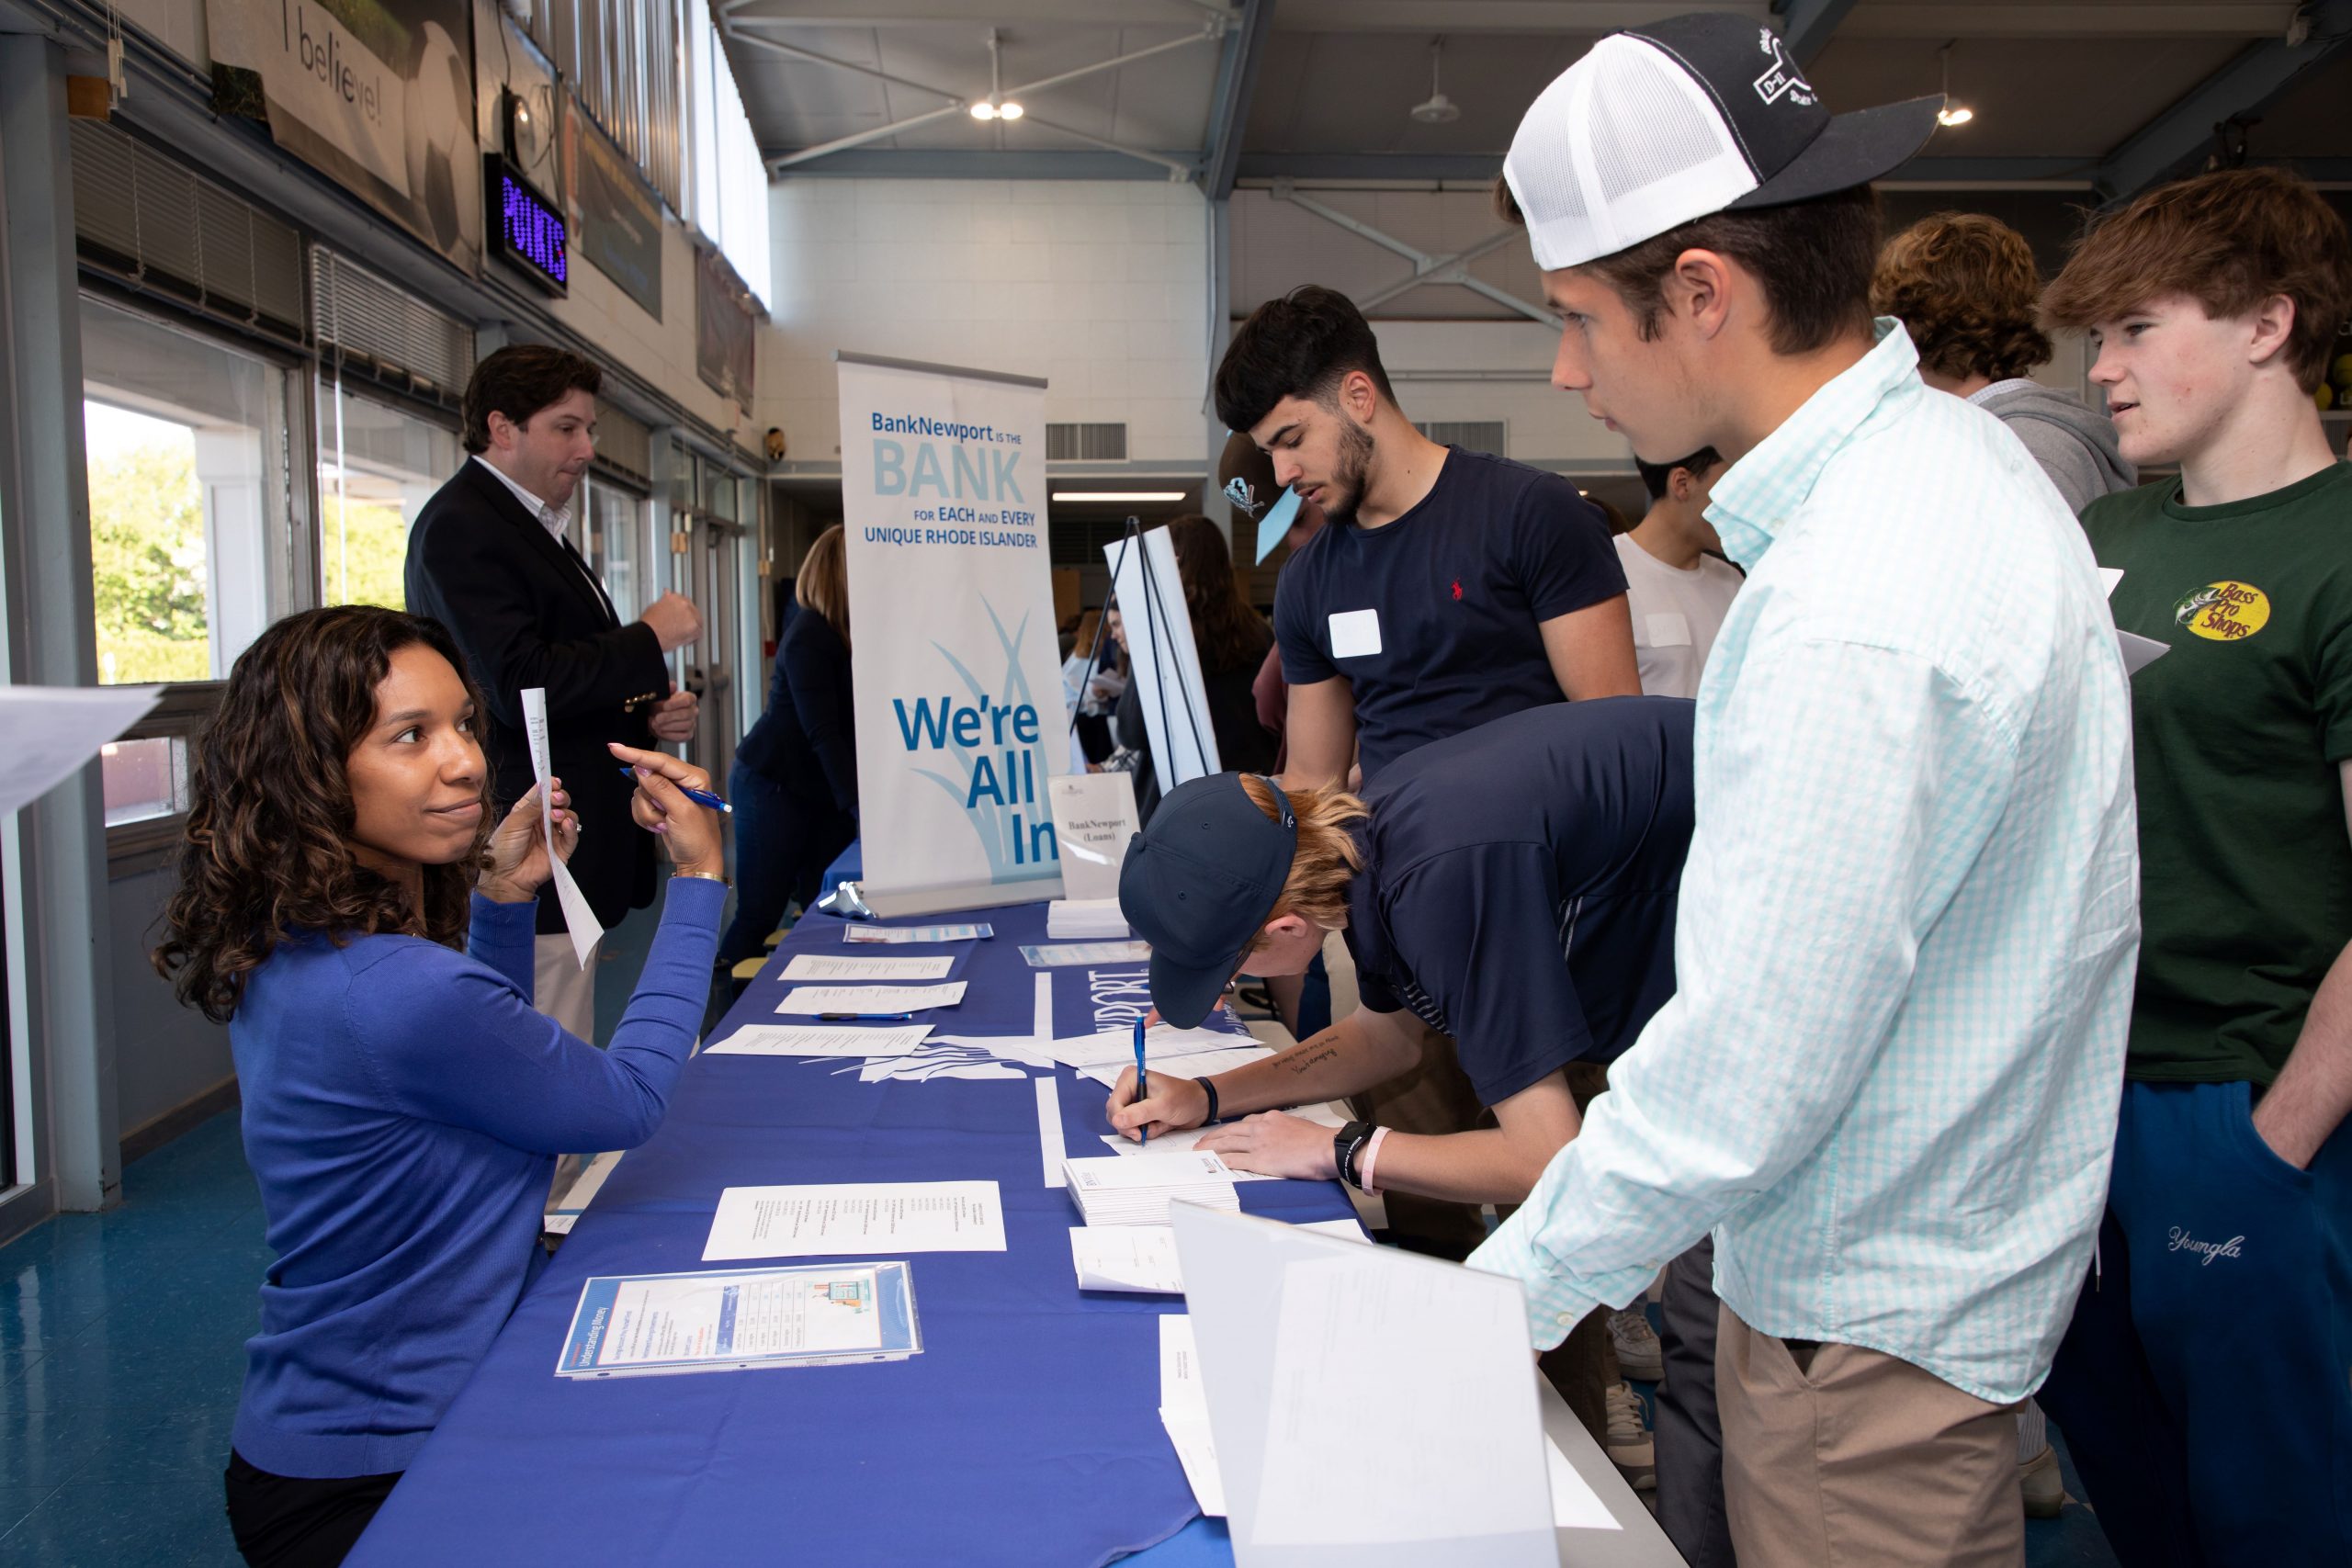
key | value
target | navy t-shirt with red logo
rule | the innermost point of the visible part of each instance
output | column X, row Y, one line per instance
column 1435, row 618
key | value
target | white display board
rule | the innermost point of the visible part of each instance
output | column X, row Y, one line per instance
column 1164, row 661
column 957, row 673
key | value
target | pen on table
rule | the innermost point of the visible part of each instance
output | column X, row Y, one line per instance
column 1142, row 1132
column 865, row 1016
column 700, row 796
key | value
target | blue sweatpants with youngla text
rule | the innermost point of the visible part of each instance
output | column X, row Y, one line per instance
column 2204, row 1386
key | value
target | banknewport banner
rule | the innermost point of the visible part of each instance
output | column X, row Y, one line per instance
column 957, row 669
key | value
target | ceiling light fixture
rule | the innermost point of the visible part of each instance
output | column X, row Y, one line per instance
column 994, row 106
column 1440, row 110
column 1120, row 494
column 1951, row 113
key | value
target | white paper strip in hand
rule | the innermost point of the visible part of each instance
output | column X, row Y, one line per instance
column 578, row 918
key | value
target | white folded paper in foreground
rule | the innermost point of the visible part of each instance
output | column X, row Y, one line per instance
column 867, row 966
column 1185, row 1413
column 821, row 1040
column 870, row 998
column 52, row 730
column 846, row 1218
column 578, row 918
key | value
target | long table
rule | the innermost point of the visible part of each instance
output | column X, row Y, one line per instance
column 1026, row 1433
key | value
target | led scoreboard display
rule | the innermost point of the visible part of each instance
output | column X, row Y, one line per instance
column 526, row 230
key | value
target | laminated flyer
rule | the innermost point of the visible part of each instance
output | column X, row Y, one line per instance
column 800, row 1315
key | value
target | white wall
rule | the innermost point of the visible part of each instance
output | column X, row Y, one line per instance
column 1102, row 288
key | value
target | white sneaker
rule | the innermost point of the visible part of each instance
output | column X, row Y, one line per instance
column 1630, row 1446
column 1639, row 1354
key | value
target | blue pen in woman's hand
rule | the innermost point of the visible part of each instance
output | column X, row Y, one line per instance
column 1142, row 1132
column 700, row 796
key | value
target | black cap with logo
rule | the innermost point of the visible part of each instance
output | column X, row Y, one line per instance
column 1200, row 882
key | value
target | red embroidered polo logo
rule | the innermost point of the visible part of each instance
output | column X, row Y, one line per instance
column 1457, row 590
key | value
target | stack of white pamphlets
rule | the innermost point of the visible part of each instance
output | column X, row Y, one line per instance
column 1085, row 919
column 1136, row 1191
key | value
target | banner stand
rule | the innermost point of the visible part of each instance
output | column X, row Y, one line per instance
column 953, row 661
column 1162, row 655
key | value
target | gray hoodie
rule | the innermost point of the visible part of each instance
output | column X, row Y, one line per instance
column 2074, row 445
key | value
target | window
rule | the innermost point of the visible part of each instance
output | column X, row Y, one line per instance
column 144, row 779
column 377, row 467
column 730, row 182
column 184, row 439
column 616, row 544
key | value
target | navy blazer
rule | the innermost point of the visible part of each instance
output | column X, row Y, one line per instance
column 526, row 612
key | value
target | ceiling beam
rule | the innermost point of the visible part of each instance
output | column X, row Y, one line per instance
column 1952, row 18
column 986, row 163
column 1236, row 85
column 1427, row 268
column 2256, row 77
column 1177, row 168
column 1806, row 25
column 736, row 29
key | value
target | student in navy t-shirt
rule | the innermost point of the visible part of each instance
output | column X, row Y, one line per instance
column 1514, row 885
column 1451, row 588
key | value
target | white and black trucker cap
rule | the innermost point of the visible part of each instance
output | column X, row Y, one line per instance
column 1658, row 125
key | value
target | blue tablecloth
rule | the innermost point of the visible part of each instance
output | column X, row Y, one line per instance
column 849, row 866
column 1026, row 1432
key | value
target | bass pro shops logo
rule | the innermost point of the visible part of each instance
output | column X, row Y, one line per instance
column 2223, row 612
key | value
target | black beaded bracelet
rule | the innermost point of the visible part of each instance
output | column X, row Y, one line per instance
column 1210, row 1089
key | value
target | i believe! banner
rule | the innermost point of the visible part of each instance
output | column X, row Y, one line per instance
column 957, row 669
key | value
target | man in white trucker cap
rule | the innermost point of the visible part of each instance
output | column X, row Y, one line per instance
column 1887, row 1082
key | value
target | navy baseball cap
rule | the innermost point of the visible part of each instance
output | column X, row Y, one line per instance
column 1200, row 882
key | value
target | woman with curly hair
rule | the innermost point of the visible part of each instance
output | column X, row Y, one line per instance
column 1966, row 288
column 403, row 1104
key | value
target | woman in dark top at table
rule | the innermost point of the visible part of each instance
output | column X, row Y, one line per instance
column 1232, row 639
column 794, row 784
column 403, row 1104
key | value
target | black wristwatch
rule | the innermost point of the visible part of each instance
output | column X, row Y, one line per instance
column 1347, row 1144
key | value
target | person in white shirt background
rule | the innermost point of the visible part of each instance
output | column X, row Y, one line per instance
column 1677, row 584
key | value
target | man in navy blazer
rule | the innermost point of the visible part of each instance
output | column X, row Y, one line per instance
column 490, row 558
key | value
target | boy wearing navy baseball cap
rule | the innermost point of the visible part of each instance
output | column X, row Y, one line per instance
column 1887, row 1082
column 1512, row 885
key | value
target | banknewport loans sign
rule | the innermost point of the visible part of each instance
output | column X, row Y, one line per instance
column 955, row 666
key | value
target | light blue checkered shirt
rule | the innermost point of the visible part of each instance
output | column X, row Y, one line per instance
column 1908, row 923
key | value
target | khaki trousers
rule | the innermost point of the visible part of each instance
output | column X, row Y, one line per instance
column 1836, row 1456
column 562, row 987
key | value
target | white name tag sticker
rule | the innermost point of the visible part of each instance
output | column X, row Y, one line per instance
column 1355, row 633
column 1670, row 629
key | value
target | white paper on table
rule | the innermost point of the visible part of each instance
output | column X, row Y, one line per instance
column 1575, row 1505
column 1084, row 955
column 52, row 730
column 1041, row 1016
column 821, row 1040
column 2139, row 652
column 867, row 966
column 1204, row 1065
column 870, row 998
column 1140, row 1258
column 1114, row 1045
column 850, row 1217
column 578, row 918
column 1185, row 1413
column 1049, row 1129
column 870, row 936
column 1174, row 1144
